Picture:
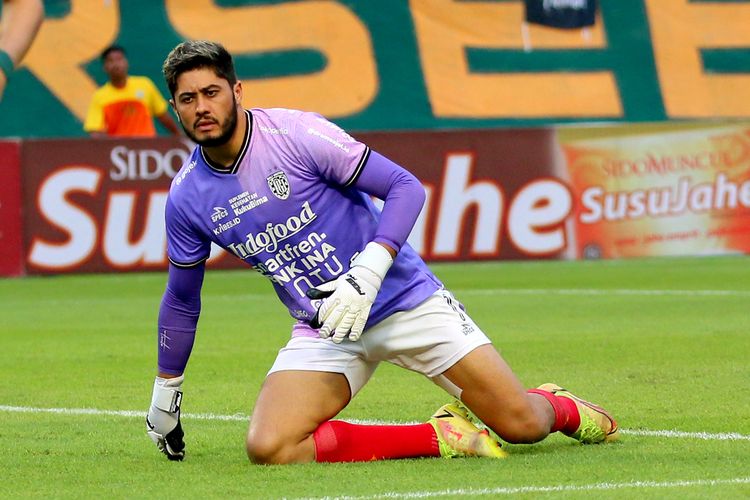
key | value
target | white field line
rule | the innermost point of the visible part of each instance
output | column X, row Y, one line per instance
column 118, row 413
column 706, row 436
column 561, row 488
column 601, row 292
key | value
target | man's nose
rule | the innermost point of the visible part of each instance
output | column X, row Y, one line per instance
column 201, row 104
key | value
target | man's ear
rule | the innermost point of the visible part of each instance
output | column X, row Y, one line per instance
column 238, row 91
column 174, row 108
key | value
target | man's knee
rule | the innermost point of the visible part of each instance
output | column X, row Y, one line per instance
column 525, row 428
column 266, row 448
column 269, row 448
column 522, row 424
column 514, row 420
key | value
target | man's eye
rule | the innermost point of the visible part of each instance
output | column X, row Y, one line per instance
column 186, row 100
column 211, row 93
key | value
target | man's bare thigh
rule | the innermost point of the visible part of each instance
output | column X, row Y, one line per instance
column 290, row 406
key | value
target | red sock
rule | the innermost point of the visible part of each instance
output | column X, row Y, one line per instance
column 338, row 441
column 567, row 418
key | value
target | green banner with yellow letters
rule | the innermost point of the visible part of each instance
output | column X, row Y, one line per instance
column 405, row 64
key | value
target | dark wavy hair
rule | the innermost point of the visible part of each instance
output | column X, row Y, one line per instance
column 194, row 54
column 110, row 49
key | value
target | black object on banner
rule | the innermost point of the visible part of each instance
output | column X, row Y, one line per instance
column 568, row 14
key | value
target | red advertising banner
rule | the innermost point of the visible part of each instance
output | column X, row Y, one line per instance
column 98, row 205
column 491, row 194
column 11, row 251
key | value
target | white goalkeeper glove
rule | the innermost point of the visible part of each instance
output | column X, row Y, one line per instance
column 349, row 297
column 163, row 420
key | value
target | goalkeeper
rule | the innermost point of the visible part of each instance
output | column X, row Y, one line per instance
column 288, row 192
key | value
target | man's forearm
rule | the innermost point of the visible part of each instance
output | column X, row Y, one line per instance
column 178, row 319
column 166, row 120
column 177, row 326
column 402, row 193
column 20, row 22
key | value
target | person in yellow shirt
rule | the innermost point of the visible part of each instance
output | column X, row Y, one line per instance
column 126, row 105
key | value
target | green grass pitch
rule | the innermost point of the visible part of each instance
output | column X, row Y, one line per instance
column 663, row 343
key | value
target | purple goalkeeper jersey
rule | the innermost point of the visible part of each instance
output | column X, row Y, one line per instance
column 288, row 208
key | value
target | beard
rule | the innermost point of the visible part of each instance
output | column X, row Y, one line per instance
column 227, row 128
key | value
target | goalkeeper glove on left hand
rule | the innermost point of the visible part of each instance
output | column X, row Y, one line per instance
column 163, row 420
column 349, row 298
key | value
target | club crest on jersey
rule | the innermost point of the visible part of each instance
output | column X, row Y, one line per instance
column 279, row 185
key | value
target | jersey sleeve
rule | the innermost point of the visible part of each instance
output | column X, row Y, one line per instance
column 336, row 155
column 95, row 116
column 186, row 247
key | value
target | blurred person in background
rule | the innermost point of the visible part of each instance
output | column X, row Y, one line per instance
column 126, row 105
column 19, row 25
column 289, row 193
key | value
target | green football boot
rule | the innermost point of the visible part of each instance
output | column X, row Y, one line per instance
column 458, row 437
column 597, row 426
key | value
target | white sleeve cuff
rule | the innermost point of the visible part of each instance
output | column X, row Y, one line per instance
column 375, row 258
column 167, row 393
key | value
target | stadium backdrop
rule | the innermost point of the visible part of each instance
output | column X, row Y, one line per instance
column 398, row 64
column 467, row 101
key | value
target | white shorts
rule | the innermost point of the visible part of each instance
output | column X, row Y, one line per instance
column 427, row 339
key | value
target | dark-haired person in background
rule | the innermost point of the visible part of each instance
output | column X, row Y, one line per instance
column 126, row 105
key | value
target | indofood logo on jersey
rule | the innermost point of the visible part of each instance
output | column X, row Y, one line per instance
column 279, row 185
column 269, row 239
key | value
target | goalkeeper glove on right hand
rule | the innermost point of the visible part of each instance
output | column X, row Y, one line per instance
column 163, row 419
